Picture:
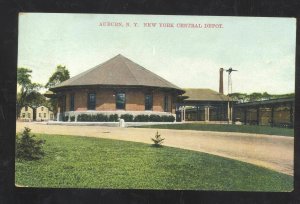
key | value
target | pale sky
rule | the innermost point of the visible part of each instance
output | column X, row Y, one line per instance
column 261, row 49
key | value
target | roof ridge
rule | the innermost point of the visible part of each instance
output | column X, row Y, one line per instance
column 159, row 77
column 78, row 76
column 143, row 68
column 129, row 68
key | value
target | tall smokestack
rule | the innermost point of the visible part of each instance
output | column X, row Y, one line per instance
column 221, row 90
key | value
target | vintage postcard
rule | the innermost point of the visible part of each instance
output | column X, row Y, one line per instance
column 155, row 102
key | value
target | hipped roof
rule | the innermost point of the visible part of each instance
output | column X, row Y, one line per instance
column 203, row 95
column 118, row 71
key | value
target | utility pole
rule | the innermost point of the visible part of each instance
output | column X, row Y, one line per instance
column 229, row 108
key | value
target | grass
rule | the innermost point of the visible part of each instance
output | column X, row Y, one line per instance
column 226, row 128
column 102, row 163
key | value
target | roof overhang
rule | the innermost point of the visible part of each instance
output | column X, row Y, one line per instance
column 95, row 86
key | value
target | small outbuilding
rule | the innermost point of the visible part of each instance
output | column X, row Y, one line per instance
column 43, row 114
column 26, row 114
column 204, row 105
column 117, row 86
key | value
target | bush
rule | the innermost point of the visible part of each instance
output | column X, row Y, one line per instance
column 158, row 140
column 28, row 147
column 97, row 118
column 101, row 118
column 83, row 117
column 93, row 118
column 65, row 118
column 167, row 118
column 141, row 118
column 127, row 117
column 72, row 118
column 155, row 118
column 113, row 118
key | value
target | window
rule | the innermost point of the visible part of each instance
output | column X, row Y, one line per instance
column 72, row 102
column 26, row 108
column 148, row 102
column 44, row 115
column 91, row 101
column 40, row 115
column 120, row 101
column 63, row 104
column 23, row 115
column 42, row 108
column 166, row 103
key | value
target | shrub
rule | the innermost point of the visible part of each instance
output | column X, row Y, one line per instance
column 101, row 118
column 141, row 118
column 158, row 140
column 97, row 118
column 28, row 147
column 113, row 118
column 155, row 118
column 65, row 118
column 167, row 118
column 127, row 117
column 93, row 118
column 83, row 117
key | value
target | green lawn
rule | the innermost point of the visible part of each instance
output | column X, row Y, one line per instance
column 102, row 163
column 226, row 128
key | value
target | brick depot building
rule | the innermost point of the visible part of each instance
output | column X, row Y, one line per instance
column 116, row 86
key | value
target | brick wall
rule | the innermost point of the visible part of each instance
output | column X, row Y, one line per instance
column 105, row 100
column 80, row 103
column 135, row 101
column 158, row 101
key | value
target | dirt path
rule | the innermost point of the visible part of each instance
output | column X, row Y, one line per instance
column 273, row 152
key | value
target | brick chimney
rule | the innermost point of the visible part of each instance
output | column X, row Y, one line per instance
column 221, row 90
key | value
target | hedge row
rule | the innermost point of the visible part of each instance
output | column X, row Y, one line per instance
column 98, row 118
column 115, row 118
column 154, row 118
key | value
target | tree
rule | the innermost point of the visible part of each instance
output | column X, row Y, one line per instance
column 239, row 97
column 288, row 95
column 27, row 88
column 158, row 140
column 266, row 96
column 36, row 99
column 255, row 96
column 61, row 74
column 28, row 147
